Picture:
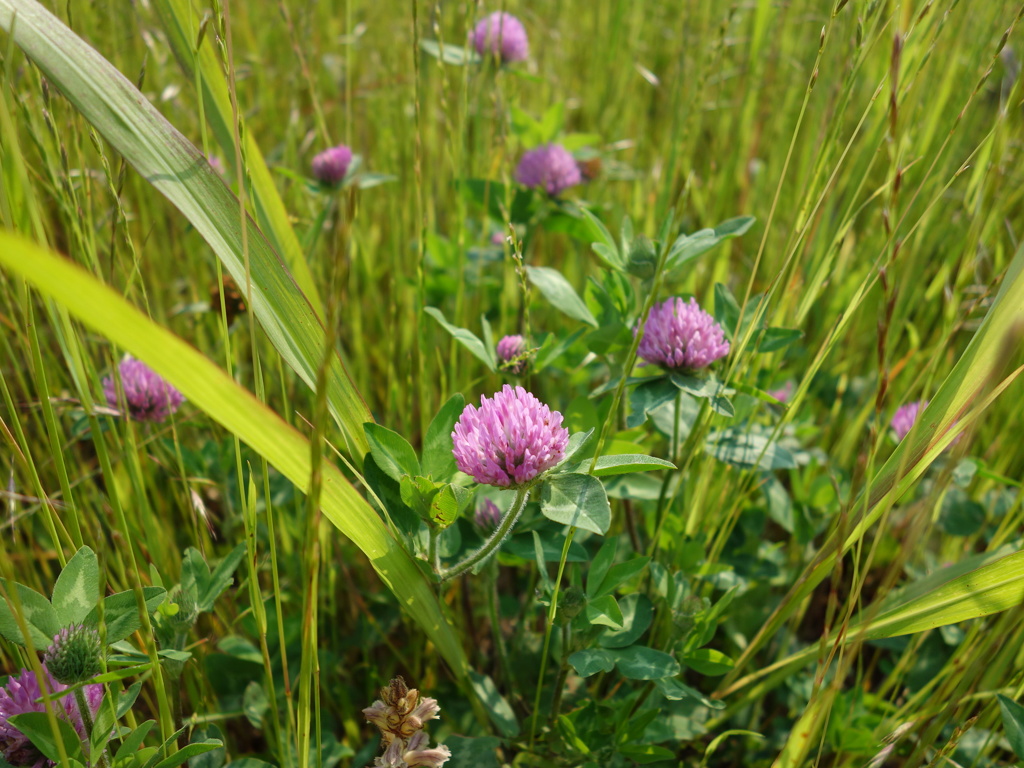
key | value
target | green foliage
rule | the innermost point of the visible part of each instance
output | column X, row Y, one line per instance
column 735, row 566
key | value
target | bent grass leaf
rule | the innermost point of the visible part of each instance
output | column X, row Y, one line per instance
column 180, row 172
column 180, row 25
column 990, row 589
column 994, row 587
column 210, row 389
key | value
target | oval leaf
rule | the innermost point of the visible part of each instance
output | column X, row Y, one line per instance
column 577, row 500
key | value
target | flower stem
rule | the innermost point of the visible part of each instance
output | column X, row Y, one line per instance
column 552, row 611
column 492, row 544
column 86, row 714
column 435, row 561
column 494, row 615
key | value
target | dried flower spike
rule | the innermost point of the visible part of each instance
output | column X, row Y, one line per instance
column 331, row 165
column 550, row 167
column 147, row 396
column 510, row 440
column 681, row 336
column 400, row 714
column 502, row 35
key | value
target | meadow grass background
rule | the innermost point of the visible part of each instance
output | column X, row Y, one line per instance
column 878, row 147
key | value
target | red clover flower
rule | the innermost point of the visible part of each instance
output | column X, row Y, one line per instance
column 331, row 165
column 20, row 695
column 509, row 440
column 501, row 34
column 147, row 396
column 905, row 416
column 550, row 167
column 681, row 336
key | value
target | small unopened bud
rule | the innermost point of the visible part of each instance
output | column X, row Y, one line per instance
column 76, row 655
column 643, row 259
column 573, row 601
column 488, row 515
column 513, row 354
column 187, row 613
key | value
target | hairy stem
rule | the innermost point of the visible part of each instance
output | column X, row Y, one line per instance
column 492, row 544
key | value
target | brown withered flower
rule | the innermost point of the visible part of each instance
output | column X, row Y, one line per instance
column 400, row 714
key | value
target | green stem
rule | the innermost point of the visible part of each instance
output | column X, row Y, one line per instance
column 86, row 713
column 552, row 611
column 563, row 673
column 495, row 619
column 435, row 561
column 492, row 544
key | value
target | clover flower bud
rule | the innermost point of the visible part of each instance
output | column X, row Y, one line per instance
column 76, row 655
column 513, row 354
column 643, row 258
column 488, row 515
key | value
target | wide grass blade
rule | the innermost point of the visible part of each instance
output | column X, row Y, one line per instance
column 181, row 173
column 968, row 389
column 182, row 27
column 990, row 589
column 209, row 388
column 948, row 596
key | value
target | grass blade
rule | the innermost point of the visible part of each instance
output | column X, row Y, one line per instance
column 181, row 173
column 967, row 390
column 209, row 388
column 181, row 27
